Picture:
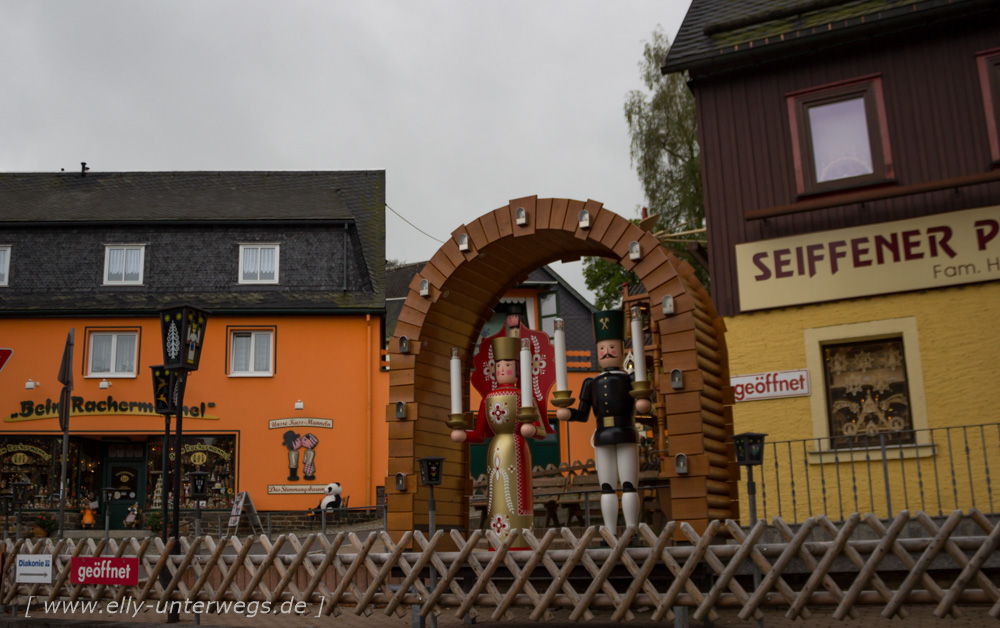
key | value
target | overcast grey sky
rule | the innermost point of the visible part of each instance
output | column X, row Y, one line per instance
column 465, row 105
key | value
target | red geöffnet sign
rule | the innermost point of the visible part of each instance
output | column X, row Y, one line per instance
column 99, row 570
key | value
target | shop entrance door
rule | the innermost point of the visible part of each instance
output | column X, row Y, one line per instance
column 128, row 479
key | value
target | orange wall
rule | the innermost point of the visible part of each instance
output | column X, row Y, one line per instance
column 330, row 363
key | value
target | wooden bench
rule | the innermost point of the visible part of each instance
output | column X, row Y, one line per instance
column 581, row 497
column 547, row 491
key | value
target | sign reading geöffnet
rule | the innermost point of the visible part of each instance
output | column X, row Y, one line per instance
column 770, row 385
column 100, row 570
column 928, row 252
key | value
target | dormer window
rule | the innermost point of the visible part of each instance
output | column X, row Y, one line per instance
column 259, row 263
column 123, row 264
column 839, row 136
column 4, row 265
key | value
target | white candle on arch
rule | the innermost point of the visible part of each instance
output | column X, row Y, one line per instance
column 562, row 382
column 638, row 345
column 456, row 382
column 526, row 373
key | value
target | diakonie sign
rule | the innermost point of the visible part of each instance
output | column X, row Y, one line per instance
column 929, row 252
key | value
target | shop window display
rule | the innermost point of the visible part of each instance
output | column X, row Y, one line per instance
column 214, row 454
column 37, row 460
column 867, row 393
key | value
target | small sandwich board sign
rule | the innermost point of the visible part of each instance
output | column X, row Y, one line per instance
column 33, row 569
column 242, row 501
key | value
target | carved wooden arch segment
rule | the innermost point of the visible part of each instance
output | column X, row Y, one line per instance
column 464, row 286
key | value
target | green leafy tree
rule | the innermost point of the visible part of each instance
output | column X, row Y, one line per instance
column 665, row 154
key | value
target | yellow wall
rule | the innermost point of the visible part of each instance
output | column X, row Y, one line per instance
column 330, row 363
column 957, row 359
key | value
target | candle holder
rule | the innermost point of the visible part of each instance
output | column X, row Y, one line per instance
column 527, row 415
column 641, row 390
column 563, row 398
column 457, row 421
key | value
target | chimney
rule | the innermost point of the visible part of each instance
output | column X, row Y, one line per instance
column 83, row 168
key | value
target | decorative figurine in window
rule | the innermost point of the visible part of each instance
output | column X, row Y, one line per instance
column 501, row 416
column 614, row 404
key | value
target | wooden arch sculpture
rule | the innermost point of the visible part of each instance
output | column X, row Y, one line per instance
column 453, row 297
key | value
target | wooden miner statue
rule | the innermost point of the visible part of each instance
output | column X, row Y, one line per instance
column 615, row 441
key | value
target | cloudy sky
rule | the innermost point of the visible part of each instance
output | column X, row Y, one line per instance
column 464, row 104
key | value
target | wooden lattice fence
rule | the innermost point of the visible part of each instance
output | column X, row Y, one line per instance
column 912, row 565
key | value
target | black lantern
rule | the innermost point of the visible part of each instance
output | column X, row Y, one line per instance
column 430, row 470
column 167, row 385
column 199, row 484
column 749, row 448
column 22, row 492
column 183, row 332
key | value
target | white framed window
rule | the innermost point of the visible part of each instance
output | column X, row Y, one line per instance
column 259, row 263
column 548, row 311
column 112, row 353
column 4, row 264
column 251, row 353
column 123, row 264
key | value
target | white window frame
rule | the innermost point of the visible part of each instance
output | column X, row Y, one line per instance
column 114, row 353
column 260, row 245
column 905, row 328
column 253, row 342
column 125, row 247
column 5, row 265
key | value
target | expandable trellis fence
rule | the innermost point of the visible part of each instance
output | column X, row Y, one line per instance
column 912, row 565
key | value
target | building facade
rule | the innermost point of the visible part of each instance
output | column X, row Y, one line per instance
column 850, row 166
column 289, row 267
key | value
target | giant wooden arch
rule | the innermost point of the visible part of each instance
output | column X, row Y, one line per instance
column 462, row 288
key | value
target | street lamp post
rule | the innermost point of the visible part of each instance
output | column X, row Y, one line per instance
column 109, row 492
column 749, row 448
column 430, row 476
column 6, row 500
column 199, row 491
column 183, row 333
column 22, row 493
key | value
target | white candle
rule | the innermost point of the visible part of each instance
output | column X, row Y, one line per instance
column 562, row 382
column 638, row 346
column 456, row 382
column 525, row 373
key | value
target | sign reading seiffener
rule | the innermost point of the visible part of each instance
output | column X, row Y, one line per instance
column 928, row 252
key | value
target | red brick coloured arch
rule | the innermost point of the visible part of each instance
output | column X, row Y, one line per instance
column 462, row 288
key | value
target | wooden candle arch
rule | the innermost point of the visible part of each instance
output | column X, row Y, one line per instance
column 463, row 283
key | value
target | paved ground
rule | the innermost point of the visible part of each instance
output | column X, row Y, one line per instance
column 920, row 617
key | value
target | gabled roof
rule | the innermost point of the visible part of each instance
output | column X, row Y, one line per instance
column 206, row 204
column 186, row 196
column 717, row 33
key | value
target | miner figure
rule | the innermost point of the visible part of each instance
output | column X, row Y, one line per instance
column 615, row 441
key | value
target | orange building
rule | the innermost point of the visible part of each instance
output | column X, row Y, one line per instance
column 289, row 395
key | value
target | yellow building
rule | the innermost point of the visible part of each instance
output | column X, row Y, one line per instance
column 853, row 209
